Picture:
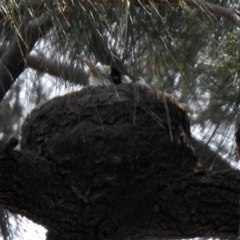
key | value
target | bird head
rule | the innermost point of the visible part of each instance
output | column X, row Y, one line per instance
column 116, row 76
column 105, row 74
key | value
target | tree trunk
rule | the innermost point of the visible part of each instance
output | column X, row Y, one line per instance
column 116, row 163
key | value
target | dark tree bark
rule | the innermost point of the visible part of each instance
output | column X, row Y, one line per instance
column 115, row 163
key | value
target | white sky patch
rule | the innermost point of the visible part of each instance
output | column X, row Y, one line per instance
column 202, row 134
column 28, row 230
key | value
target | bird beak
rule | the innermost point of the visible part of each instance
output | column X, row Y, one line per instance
column 89, row 65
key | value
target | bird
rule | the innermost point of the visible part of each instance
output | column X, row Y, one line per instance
column 101, row 74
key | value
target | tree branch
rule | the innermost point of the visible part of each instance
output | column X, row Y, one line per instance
column 230, row 14
column 13, row 59
column 57, row 69
column 176, row 204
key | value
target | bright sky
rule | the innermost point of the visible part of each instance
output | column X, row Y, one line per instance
column 28, row 230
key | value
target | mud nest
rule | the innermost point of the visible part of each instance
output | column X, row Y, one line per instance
column 109, row 134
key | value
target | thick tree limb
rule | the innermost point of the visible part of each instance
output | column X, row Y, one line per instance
column 174, row 205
